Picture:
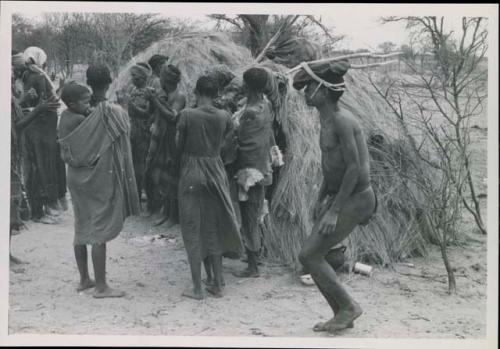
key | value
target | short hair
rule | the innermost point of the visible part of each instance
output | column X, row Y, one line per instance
column 335, row 95
column 171, row 72
column 72, row 92
column 207, row 86
column 256, row 79
column 157, row 60
column 98, row 76
column 145, row 65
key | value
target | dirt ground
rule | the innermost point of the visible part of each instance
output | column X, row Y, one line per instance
column 398, row 302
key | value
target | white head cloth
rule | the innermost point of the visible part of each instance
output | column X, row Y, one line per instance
column 35, row 58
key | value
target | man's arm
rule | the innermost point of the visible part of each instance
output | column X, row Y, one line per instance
column 142, row 113
column 345, row 133
column 170, row 113
column 322, row 191
column 43, row 106
column 180, row 135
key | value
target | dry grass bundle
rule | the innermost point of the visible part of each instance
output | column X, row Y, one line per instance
column 193, row 54
column 392, row 233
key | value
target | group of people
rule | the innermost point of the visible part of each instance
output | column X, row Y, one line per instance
column 198, row 166
column 185, row 158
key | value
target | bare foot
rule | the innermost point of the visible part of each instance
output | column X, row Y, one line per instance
column 169, row 224
column 45, row 220
column 160, row 221
column 214, row 291
column 108, row 292
column 89, row 283
column 190, row 293
column 323, row 326
column 52, row 211
column 146, row 214
column 247, row 273
column 63, row 202
column 210, row 282
column 344, row 318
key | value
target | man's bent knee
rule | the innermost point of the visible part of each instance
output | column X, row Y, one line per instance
column 308, row 259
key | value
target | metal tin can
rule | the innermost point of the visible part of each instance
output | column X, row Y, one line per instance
column 363, row 269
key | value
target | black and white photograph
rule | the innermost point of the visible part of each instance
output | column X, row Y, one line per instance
column 237, row 174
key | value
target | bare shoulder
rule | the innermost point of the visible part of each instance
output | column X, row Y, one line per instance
column 179, row 97
column 347, row 122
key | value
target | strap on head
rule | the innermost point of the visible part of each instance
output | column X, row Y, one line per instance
column 334, row 87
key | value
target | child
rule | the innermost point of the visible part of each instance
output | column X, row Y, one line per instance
column 100, row 174
column 77, row 100
column 140, row 113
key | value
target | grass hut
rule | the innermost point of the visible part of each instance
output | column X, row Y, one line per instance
column 392, row 234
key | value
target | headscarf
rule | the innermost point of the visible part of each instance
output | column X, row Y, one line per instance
column 35, row 55
column 171, row 73
column 329, row 74
column 143, row 69
column 18, row 60
column 35, row 58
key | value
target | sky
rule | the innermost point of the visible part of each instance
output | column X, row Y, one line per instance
column 360, row 25
column 363, row 31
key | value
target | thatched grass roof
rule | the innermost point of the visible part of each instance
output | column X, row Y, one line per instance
column 392, row 234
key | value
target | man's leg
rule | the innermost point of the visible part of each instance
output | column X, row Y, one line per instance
column 313, row 253
column 172, row 212
column 102, row 290
column 250, row 212
column 151, row 195
column 15, row 222
column 52, row 207
column 207, row 263
column 196, row 292
column 163, row 213
column 12, row 259
column 216, row 288
column 312, row 256
column 323, row 326
column 82, row 263
column 63, row 202
column 138, row 160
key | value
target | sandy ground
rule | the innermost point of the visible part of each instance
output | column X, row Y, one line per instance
column 43, row 297
column 398, row 302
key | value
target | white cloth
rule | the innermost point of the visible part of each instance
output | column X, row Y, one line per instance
column 35, row 58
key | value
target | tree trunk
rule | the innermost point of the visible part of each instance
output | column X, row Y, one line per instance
column 452, row 285
column 477, row 213
column 257, row 30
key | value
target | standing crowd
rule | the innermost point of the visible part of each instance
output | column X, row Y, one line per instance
column 200, row 167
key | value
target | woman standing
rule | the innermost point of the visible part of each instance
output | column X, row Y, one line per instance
column 45, row 173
